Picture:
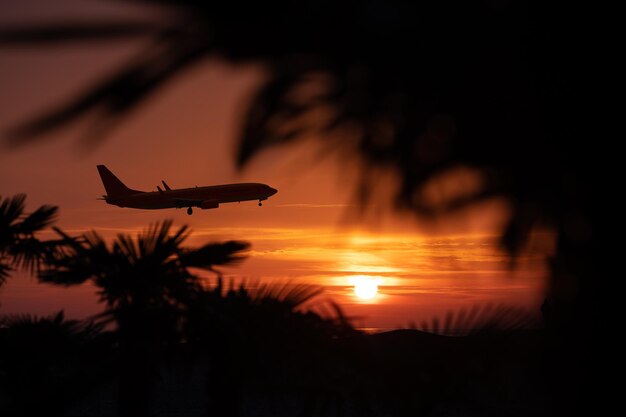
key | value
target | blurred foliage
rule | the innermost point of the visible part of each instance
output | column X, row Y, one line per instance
column 417, row 89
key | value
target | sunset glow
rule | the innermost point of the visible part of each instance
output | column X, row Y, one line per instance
column 423, row 276
column 365, row 288
column 310, row 232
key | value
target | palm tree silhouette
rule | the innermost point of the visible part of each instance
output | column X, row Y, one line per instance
column 19, row 245
column 146, row 285
column 267, row 338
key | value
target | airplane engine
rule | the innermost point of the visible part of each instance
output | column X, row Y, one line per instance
column 205, row 205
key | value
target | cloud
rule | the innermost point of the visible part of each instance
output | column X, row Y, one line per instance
column 419, row 275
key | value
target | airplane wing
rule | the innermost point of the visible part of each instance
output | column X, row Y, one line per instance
column 203, row 204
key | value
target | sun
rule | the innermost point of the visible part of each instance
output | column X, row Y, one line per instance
column 365, row 288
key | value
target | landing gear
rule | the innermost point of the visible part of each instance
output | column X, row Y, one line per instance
column 260, row 204
column 189, row 211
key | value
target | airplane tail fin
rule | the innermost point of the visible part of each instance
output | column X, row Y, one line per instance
column 112, row 184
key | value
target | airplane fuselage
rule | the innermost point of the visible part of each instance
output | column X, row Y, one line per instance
column 202, row 197
column 210, row 197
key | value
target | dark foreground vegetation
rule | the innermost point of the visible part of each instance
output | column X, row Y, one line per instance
column 167, row 343
column 272, row 371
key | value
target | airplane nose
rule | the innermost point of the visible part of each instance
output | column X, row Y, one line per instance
column 273, row 191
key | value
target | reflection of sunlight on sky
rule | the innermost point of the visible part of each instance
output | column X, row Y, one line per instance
column 417, row 276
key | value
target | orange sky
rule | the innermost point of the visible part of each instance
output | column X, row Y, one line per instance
column 186, row 135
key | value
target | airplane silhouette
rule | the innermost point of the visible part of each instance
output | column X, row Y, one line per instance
column 205, row 198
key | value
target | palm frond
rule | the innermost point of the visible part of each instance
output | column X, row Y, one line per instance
column 11, row 209
column 214, row 254
column 293, row 295
column 29, row 253
column 5, row 271
column 75, row 260
column 38, row 220
column 19, row 247
column 481, row 319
